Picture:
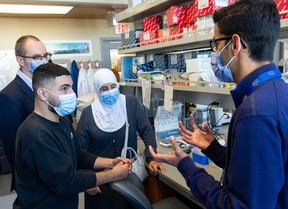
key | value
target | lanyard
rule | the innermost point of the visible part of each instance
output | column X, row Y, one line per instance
column 275, row 73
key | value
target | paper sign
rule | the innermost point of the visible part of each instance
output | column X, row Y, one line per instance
column 168, row 97
column 146, row 92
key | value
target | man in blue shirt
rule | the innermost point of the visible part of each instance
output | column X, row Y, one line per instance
column 255, row 160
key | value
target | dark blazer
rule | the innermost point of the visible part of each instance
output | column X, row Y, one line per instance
column 16, row 103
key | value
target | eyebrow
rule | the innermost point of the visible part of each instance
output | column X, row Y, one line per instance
column 65, row 85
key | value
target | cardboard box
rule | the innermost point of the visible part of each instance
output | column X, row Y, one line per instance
column 131, row 37
column 176, row 15
column 152, row 23
column 208, row 7
column 163, row 35
column 175, row 32
column 282, row 6
column 148, row 38
column 192, row 12
column 160, row 61
column 198, row 65
column 175, row 61
column 126, row 63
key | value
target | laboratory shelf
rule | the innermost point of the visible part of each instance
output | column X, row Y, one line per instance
column 189, row 41
column 145, row 9
column 199, row 86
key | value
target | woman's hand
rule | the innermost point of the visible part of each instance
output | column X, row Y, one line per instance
column 155, row 166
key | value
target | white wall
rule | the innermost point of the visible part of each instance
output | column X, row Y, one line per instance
column 53, row 29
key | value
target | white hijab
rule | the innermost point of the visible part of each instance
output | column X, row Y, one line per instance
column 108, row 118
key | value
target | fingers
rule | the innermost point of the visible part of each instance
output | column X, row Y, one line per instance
column 124, row 160
column 152, row 168
column 97, row 189
column 192, row 121
column 207, row 129
column 93, row 191
column 155, row 167
column 183, row 130
column 162, row 168
column 175, row 144
column 156, row 156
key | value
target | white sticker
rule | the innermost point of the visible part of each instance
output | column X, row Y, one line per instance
column 168, row 97
column 146, row 92
column 146, row 36
column 165, row 32
column 173, row 59
column 134, row 69
column 127, row 35
column 202, row 4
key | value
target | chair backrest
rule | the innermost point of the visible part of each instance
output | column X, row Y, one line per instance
column 133, row 190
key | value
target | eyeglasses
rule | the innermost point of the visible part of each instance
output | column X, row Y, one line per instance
column 46, row 56
column 213, row 42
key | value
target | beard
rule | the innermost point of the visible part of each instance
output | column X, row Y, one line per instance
column 51, row 109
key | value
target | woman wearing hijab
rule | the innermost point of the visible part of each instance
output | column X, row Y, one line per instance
column 102, row 132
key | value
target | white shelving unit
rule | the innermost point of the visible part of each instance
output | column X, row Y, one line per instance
column 200, row 86
column 187, row 42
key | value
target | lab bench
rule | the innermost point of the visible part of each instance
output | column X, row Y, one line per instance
column 173, row 178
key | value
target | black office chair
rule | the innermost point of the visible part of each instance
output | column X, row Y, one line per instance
column 133, row 190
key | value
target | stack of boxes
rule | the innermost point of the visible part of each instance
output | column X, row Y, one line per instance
column 130, row 38
column 150, row 26
column 192, row 13
column 195, row 16
column 176, row 20
column 170, row 26
column 160, row 62
column 205, row 11
column 176, row 61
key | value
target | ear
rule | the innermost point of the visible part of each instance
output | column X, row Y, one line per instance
column 236, row 44
column 20, row 60
column 42, row 94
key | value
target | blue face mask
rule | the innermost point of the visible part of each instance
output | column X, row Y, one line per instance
column 110, row 97
column 222, row 72
column 68, row 103
column 34, row 64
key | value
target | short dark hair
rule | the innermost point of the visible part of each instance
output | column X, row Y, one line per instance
column 46, row 73
column 257, row 22
column 20, row 43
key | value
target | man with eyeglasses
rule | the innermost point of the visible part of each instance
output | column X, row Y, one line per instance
column 17, row 98
column 255, row 161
